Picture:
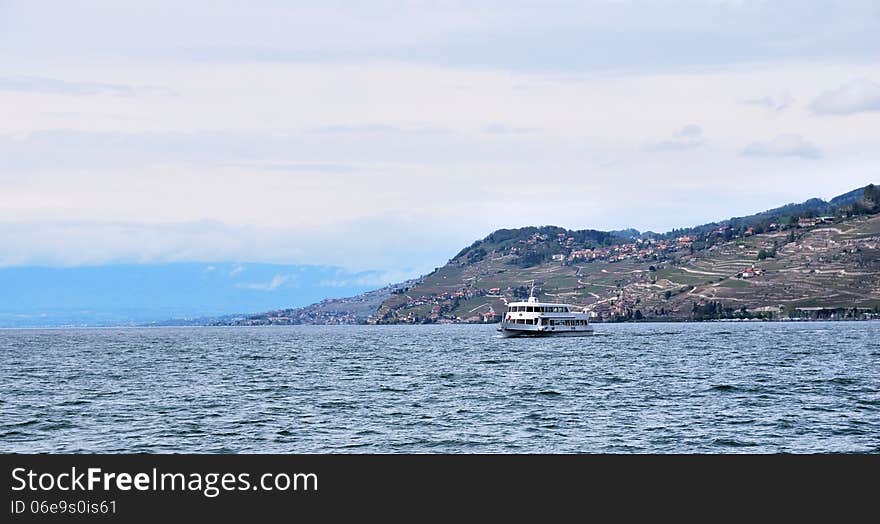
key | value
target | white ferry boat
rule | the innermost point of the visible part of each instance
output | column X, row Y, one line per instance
column 533, row 318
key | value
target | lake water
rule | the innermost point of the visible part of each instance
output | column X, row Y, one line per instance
column 656, row 388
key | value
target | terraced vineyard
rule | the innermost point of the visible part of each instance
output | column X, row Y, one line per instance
column 829, row 266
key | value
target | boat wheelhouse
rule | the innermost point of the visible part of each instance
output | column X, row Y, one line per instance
column 533, row 318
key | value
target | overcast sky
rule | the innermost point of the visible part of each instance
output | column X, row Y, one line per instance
column 386, row 135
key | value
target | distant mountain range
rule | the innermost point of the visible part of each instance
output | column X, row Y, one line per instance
column 136, row 294
column 808, row 259
column 350, row 310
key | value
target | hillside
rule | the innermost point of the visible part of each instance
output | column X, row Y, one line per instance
column 350, row 310
column 815, row 258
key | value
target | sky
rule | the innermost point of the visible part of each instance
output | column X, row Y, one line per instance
column 125, row 294
column 385, row 136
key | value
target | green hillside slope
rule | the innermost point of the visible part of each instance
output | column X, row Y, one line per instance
column 787, row 262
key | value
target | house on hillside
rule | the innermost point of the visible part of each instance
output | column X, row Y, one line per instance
column 807, row 222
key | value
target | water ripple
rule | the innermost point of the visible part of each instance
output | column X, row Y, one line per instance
column 664, row 388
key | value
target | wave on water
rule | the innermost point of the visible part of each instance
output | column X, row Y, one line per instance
column 383, row 387
column 649, row 388
column 724, row 388
column 732, row 443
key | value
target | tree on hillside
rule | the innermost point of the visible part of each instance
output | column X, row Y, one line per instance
column 764, row 254
column 872, row 194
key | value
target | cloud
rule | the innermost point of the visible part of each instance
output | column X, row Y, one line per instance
column 503, row 129
column 392, row 243
column 690, row 131
column 276, row 282
column 33, row 84
column 777, row 103
column 688, row 137
column 854, row 97
column 296, row 167
column 379, row 130
column 366, row 279
column 783, row 146
column 55, row 86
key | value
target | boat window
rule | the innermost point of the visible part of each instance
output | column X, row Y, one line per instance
column 530, row 309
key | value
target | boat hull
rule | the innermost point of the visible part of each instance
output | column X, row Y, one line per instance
column 512, row 333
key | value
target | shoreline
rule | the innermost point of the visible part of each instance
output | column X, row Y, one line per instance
column 683, row 321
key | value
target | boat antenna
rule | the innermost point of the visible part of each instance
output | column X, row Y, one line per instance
column 532, row 290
